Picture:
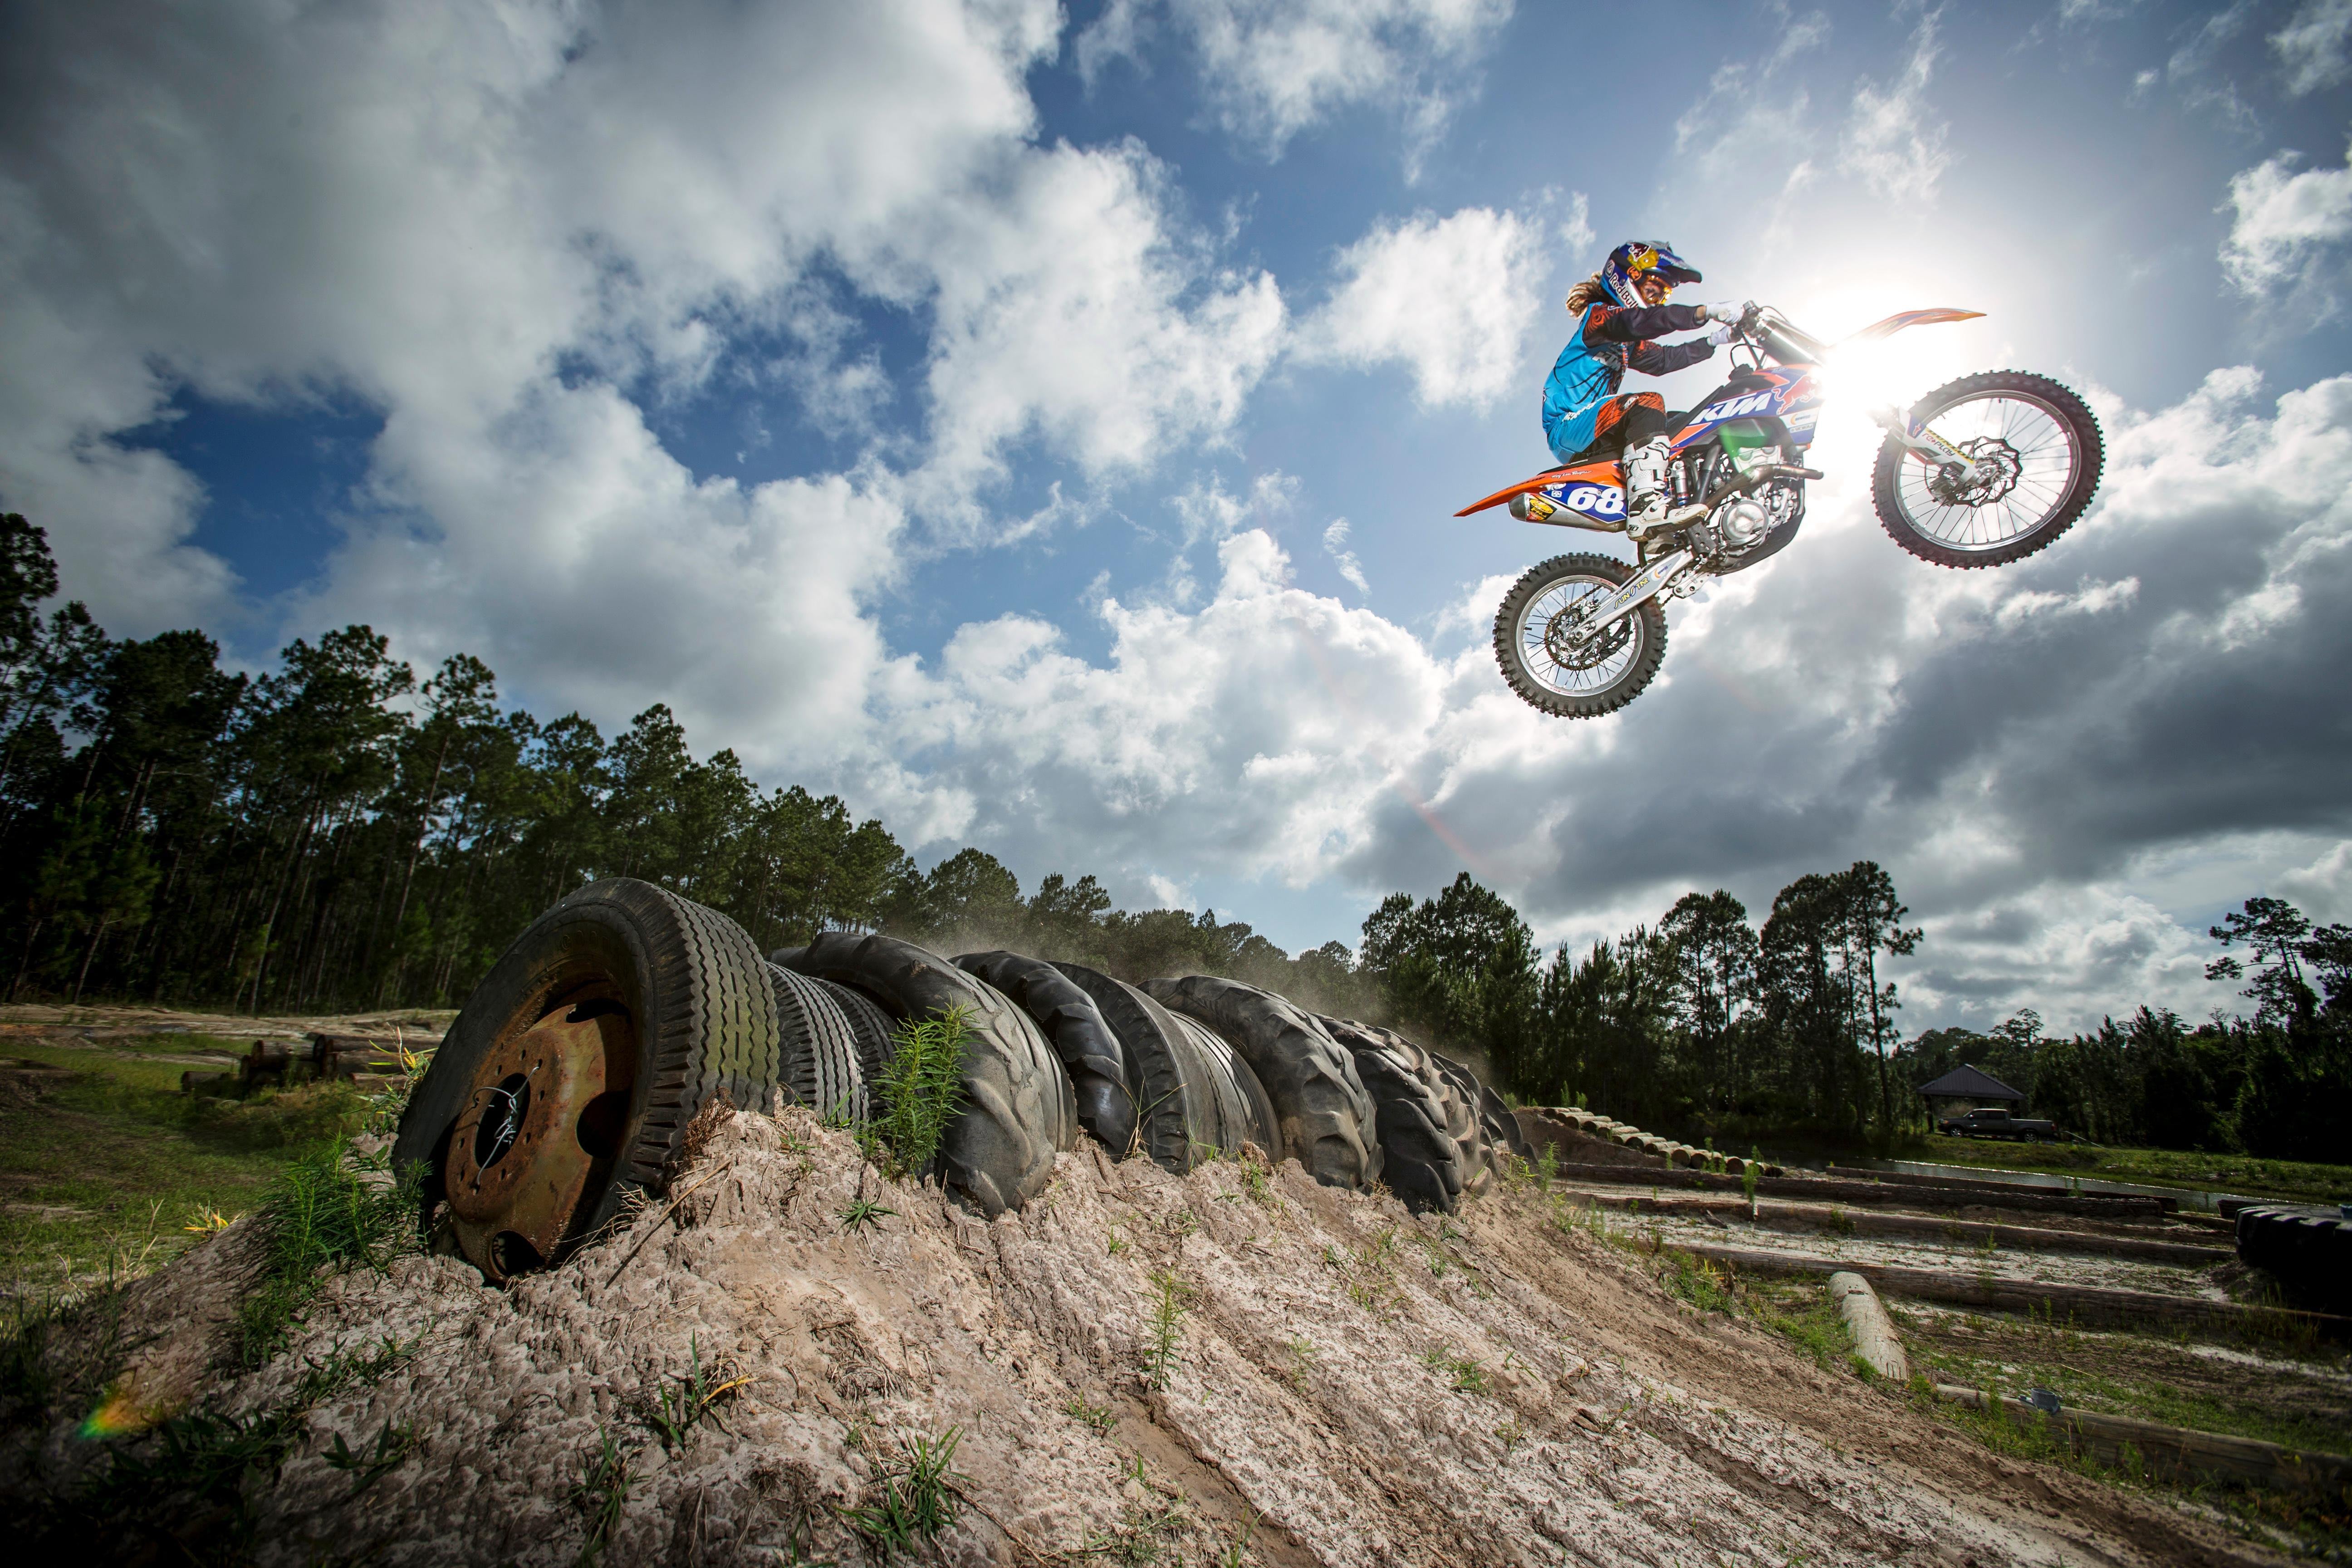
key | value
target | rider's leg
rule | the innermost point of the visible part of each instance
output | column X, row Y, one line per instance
column 1641, row 427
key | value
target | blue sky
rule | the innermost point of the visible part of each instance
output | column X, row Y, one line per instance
column 1042, row 426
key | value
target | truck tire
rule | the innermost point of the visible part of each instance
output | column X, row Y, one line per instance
column 1081, row 1036
column 603, row 1028
column 1018, row 1111
column 869, row 1026
column 2309, row 1250
column 1328, row 1122
column 822, row 1068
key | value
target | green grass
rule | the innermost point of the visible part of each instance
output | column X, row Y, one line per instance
column 922, row 1089
column 2319, row 1526
column 2241, row 1174
column 102, row 1172
column 2014, row 1366
column 600, row 1494
column 914, row 1495
column 319, row 1215
column 1803, row 1314
column 1171, row 1298
column 187, row 1485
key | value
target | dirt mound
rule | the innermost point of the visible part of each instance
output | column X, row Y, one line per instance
column 1140, row 1366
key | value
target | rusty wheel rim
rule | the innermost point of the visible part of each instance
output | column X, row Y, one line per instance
column 543, row 1126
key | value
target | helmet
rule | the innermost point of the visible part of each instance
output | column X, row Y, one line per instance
column 1621, row 274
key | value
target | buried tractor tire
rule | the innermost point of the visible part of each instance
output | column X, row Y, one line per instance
column 1328, row 1123
column 1423, row 1161
column 1081, row 1036
column 1018, row 1111
column 1178, row 1119
column 567, row 1080
column 1245, row 1112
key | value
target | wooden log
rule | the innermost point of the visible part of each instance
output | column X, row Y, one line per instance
column 2088, row 1305
column 1780, row 1214
column 2173, row 1451
column 267, row 1059
column 1876, row 1193
column 347, row 1056
column 1972, row 1184
column 1875, row 1340
column 1919, row 1179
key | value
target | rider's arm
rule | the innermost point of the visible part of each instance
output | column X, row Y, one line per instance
column 1622, row 324
column 1665, row 359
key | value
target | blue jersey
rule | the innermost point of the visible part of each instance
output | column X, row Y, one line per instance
column 1607, row 340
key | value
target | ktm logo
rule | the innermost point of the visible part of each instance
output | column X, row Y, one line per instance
column 1733, row 408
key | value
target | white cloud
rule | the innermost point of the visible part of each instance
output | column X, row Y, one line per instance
column 1274, row 67
column 1890, row 143
column 2283, row 222
column 2322, row 889
column 1335, row 544
column 1066, row 309
column 1244, row 737
column 488, row 218
column 1453, row 298
column 1745, row 105
column 2315, row 45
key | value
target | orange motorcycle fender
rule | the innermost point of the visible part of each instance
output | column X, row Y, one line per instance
column 1603, row 473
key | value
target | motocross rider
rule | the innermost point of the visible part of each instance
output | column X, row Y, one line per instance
column 1619, row 311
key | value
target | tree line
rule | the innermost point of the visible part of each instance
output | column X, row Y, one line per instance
column 339, row 834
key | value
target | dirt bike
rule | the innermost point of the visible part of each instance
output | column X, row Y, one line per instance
column 1983, row 471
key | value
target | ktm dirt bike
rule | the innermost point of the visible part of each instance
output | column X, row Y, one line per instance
column 1983, row 471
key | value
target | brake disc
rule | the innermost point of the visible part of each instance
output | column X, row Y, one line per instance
column 1991, row 472
column 1592, row 654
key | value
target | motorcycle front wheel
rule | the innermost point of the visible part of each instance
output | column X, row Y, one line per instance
column 1531, row 647
column 2039, row 453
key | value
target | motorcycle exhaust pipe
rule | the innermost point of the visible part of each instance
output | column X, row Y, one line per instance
column 1529, row 506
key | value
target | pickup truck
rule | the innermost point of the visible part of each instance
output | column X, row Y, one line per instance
column 1997, row 1124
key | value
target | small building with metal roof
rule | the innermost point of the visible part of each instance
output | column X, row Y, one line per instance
column 1965, row 1089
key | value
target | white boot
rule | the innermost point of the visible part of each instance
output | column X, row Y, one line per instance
column 1645, row 486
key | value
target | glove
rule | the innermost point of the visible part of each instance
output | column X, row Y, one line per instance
column 1726, row 317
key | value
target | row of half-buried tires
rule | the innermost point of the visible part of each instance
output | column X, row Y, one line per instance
column 568, row 1081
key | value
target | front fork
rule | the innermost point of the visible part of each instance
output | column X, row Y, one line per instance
column 1659, row 576
column 1929, row 447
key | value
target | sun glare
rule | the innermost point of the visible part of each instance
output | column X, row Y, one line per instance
column 1896, row 369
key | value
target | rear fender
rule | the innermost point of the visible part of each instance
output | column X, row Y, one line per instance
column 1902, row 319
column 1569, row 479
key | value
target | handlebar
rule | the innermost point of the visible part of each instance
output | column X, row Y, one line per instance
column 1773, row 332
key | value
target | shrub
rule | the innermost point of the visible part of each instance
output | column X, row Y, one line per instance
column 922, row 1089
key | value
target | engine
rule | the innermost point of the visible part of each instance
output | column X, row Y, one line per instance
column 1735, row 532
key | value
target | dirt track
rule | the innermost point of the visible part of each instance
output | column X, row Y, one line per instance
column 1347, row 1384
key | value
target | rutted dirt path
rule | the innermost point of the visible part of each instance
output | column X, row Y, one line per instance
column 1344, row 1384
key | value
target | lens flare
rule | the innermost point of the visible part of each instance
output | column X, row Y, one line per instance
column 119, row 1414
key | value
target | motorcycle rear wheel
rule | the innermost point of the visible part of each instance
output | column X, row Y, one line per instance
column 1599, row 680
column 2051, row 454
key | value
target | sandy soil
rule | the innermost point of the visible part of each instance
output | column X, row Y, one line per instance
column 1345, row 1385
